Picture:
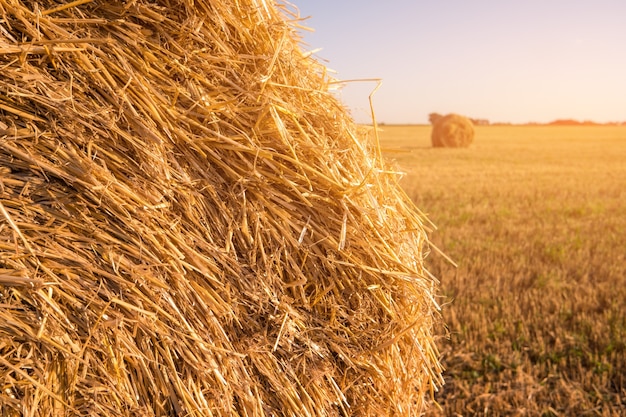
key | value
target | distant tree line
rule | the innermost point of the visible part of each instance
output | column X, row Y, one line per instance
column 433, row 117
column 572, row 122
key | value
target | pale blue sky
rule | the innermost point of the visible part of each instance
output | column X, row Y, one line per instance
column 503, row 60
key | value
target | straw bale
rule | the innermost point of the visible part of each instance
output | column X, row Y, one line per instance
column 190, row 224
column 452, row 131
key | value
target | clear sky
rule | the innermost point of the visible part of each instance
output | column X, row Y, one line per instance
column 504, row 60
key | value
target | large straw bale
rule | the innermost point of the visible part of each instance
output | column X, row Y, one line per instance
column 190, row 225
column 452, row 131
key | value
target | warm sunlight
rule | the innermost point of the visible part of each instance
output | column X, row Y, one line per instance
column 417, row 209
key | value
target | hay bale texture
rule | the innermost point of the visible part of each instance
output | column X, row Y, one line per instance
column 190, row 225
column 452, row 131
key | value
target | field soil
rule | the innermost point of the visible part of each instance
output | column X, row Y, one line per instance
column 535, row 309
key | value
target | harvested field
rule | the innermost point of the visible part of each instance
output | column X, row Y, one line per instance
column 534, row 217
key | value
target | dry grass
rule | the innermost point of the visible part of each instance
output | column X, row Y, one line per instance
column 452, row 131
column 534, row 217
column 190, row 225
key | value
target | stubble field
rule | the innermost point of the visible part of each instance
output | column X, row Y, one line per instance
column 535, row 218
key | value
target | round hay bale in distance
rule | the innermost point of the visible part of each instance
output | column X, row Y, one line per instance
column 452, row 131
column 191, row 224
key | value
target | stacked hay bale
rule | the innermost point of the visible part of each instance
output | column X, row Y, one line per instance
column 189, row 224
column 452, row 131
